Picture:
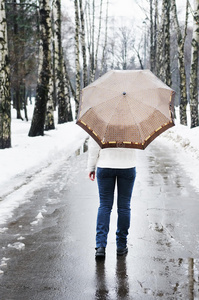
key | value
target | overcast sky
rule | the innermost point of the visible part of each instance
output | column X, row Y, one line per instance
column 129, row 8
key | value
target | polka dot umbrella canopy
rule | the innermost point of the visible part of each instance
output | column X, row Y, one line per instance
column 127, row 108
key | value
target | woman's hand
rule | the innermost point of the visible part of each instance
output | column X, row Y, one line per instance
column 91, row 175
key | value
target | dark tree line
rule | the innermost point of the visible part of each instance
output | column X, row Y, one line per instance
column 34, row 63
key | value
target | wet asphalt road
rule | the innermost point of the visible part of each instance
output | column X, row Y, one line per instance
column 52, row 258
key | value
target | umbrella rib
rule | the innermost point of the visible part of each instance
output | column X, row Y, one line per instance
column 140, row 131
column 110, row 119
column 134, row 120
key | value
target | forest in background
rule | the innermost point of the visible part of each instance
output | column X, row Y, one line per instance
column 51, row 54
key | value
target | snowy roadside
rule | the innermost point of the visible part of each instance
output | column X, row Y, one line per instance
column 184, row 138
column 186, row 141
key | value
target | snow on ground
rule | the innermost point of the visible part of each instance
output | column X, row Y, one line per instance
column 28, row 162
column 186, row 140
column 30, row 156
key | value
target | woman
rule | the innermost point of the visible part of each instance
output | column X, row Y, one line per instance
column 114, row 165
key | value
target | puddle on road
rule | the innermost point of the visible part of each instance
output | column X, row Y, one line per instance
column 182, row 274
column 120, row 289
column 171, row 279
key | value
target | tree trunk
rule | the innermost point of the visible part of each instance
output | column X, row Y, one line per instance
column 83, row 43
column 22, row 86
column 98, row 40
column 5, row 98
column 194, row 67
column 156, row 26
column 167, row 80
column 163, row 51
column 54, row 62
column 67, row 96
column 16, row 43
column 181, row 63
column 59, row 77
column 50, row 106
column 77, row 63
column 38, row 121
column 103, row 62
column 152, row 54
column 49, row 121
column 92, row 62
column 160, row 39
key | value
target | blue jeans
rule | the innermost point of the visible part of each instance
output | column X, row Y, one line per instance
column 106, row 179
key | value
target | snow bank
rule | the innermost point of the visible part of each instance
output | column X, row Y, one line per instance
column 185, row 138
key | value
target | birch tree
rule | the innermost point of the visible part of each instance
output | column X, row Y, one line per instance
column 17, row 53
column 83, row 44
column 50, row 105
column 194, row 67
column 59, row 76
column 67, row 95
column 181, row 62
column 43, row 84
column 160, row 39
column 49, row 121
column 153, row 33
column 152, row 50
column 167, row 5
column 77, row 58
column 163, row 45
column 103, row 61
column 98, row 41
column 93, row 43
column 92, row 53
column 5, row 99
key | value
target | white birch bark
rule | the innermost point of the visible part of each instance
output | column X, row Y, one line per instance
column 59, row 76
column 69, row 115
column 98, row 40
column 92, row 63
column 5, row 98
column 151, row 36
column 103, row 67
column 194, row 67
column 83, row 43
column 77, row 62
column 167, row 43
column 42, row 93
column 181, row 62
column 160, row 38
column 49, row 122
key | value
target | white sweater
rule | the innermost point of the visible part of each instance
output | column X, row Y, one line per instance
column 116, row 158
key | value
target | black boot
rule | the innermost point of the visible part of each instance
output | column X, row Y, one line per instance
column 100, row 253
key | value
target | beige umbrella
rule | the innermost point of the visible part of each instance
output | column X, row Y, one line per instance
column 126, row 109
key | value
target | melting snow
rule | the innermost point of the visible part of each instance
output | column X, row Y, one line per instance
column 17, row 245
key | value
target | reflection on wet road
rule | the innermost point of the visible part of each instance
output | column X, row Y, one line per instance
column 48, row 249
column 121, row 280
column 185, row 286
